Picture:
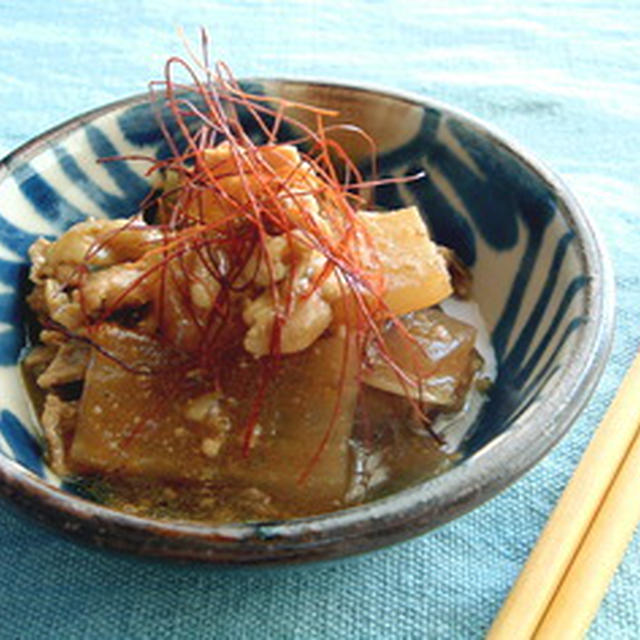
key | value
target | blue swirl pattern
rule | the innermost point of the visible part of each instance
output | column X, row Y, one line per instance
column 478, row 197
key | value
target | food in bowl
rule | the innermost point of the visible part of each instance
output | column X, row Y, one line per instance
column 256, row 343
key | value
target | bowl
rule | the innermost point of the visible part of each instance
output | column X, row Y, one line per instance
column 541, row 279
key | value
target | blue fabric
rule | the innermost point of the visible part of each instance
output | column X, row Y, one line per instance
column 561, row 78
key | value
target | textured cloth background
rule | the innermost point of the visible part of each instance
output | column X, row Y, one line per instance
column 562, row 78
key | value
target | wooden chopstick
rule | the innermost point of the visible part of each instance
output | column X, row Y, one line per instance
column 559, row 590
column 576, row 602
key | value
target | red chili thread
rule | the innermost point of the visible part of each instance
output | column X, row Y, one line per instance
column 242, row 232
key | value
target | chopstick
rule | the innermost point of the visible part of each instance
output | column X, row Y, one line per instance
column 560, row 587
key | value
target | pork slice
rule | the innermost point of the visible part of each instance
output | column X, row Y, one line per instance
column 59, row 422
column 68, row 365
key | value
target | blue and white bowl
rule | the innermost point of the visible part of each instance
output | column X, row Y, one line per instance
column 541, row 280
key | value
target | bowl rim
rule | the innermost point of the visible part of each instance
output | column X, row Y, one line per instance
column 385, row 521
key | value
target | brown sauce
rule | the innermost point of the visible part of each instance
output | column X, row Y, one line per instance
column 134, row 446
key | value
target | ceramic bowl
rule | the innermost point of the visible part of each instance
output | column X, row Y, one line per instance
column 541, row 279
